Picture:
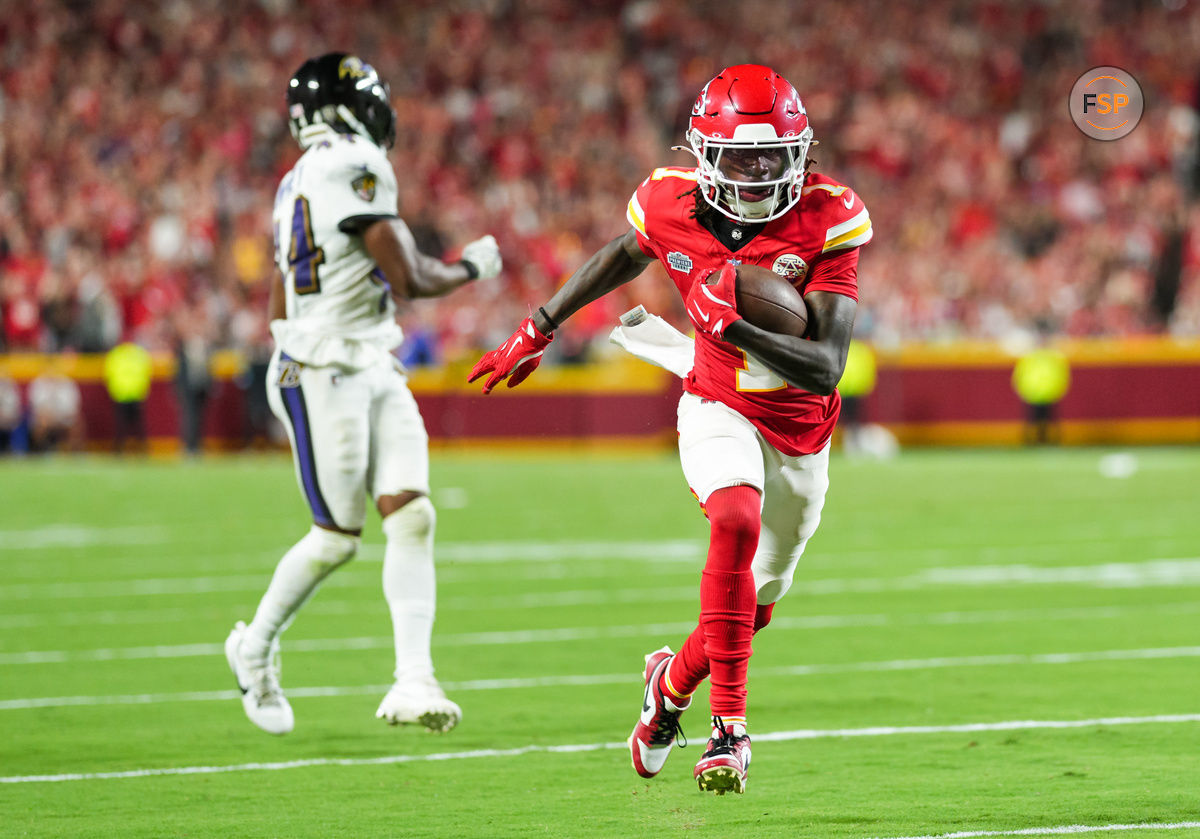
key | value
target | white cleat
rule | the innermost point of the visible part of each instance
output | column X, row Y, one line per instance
column 262, row 697
column 420, row 701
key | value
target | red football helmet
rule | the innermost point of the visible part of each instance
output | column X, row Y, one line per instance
column 751, row 136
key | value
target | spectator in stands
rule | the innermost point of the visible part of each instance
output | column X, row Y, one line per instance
column 991, row 209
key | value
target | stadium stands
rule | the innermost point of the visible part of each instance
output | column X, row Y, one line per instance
column 141, row 143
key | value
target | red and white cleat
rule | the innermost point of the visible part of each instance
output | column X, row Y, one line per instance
column 657, row 727
column 724, row 764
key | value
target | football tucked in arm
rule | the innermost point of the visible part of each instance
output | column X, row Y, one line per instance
column 770, row 302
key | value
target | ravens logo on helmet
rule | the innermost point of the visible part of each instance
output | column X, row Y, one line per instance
column 345, row 93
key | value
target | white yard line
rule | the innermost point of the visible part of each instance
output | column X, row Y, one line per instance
column 80, row 536
column 894, row 665
column 777, row 736
column 89, row 589
column 592, row 633
column 330, row 606
column 1061, row 830
column 673, row 550
column 1145, row 574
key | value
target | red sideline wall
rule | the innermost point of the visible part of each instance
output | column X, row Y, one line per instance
column 1131, row 391
column 1121, row 392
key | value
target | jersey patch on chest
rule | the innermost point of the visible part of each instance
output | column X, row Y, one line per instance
column 790, row 266
column 680, row 262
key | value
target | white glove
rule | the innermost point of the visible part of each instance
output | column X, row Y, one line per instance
column 484, row 256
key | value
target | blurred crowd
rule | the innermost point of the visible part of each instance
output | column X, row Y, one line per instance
column 141, row 144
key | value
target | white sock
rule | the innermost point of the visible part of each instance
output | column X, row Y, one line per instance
column 409, row 585
column 296, row 577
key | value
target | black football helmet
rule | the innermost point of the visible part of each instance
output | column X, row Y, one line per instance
column 342, row 91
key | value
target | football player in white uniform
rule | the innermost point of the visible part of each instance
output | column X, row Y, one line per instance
column 345, row 257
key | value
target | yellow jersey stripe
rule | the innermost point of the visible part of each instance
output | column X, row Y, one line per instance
column 846, row 226
column 852, row 239
column 635, row 214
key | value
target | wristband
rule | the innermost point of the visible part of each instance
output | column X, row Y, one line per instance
column 549, row 320
column 472, row 269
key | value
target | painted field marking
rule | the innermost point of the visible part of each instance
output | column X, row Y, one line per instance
column 1143, row 574
column 329, row 606
column 777, row 736
column 80, row 536
column 895, row 665
column 669, row 550
column 593, row 633
column 1061, row 830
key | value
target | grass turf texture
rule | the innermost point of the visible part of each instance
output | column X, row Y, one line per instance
column 932, row 586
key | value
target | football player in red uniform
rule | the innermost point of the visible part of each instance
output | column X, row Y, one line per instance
column 759, row 408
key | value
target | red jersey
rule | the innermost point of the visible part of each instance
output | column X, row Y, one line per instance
column 815, row 245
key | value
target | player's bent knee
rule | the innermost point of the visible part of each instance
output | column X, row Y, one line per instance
column 332, row 547
column 772, row 589
column 736, row 513
column 415, row 520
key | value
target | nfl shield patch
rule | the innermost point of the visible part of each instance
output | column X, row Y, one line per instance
column 364, row 186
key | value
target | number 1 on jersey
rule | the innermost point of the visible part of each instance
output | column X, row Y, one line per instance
column 756, row 377
column 303, row 257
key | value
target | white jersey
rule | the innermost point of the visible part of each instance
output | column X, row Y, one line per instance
column 339, row 306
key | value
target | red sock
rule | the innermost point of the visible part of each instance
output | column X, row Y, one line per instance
column 727, row 599
column 688, row 669
column 690, row 666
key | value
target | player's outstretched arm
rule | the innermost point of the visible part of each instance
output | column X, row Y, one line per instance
column 612, row 266
column 412, row 273
column 615, row 264
column 815, row 365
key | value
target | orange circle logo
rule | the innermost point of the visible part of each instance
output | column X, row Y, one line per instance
column 1106, row 103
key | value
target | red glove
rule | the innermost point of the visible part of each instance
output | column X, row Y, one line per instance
column 711, row 304
column 515, row 359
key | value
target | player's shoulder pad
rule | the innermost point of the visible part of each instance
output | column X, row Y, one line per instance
column 837, row 209
column 345, row 161
column 664, row 183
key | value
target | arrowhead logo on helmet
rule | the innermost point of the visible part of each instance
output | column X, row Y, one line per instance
column 750, row 134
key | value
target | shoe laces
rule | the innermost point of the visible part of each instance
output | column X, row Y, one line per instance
column 667, row 728
column 724, row 741
column 265, row 678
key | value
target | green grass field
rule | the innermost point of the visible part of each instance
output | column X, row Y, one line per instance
column 976, row 641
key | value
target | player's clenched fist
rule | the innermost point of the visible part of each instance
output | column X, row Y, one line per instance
column 484, row 256
column 515, row 359
column 712, row 302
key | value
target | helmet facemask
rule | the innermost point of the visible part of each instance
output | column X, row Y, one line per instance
column 756, row 196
